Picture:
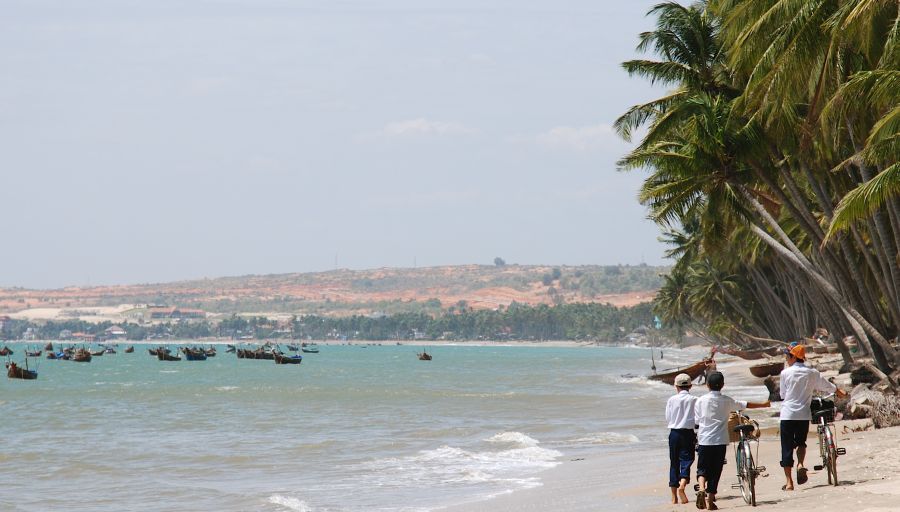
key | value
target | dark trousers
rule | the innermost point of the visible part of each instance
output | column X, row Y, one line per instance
column 710, row 460
column 793, row 435
column 681, row 454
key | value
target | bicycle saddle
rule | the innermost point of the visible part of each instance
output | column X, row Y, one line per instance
column 746, row 429
column 824, row 412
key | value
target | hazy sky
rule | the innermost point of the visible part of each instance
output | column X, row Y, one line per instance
column 147, row 141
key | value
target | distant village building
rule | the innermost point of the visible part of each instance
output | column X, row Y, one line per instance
column 65, row 334
column 4, row 322
column 150, row 313
column 115, row 333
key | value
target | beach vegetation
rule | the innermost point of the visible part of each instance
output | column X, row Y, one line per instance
column 772, row 168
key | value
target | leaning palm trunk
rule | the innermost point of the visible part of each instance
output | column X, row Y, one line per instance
column 889, row 356
column 861, row 326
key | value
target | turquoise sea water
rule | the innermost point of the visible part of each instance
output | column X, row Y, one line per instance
column 350, row 429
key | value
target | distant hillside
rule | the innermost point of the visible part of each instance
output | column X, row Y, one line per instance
column 344, row 292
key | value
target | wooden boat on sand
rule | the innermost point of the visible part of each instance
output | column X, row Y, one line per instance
column 751, row 355
column 695, row 370
column 772, row 368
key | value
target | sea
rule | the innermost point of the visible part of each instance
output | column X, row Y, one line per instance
column 362, row 427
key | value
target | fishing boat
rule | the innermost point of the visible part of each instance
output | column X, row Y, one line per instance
column 6, row 351
column 130, row 349
column 98, row 353
column 424, row 356
column 695, row 370
column 49, row 347
column 14, row 371
column 81, row 356
column 110, row 350
column 751, row 355
column 772, row 368
column 309, row 348
column 229, row 348
column 210, row 352
column 29, row 353
column 165, row 355
column 193, row 354
column 288, row 359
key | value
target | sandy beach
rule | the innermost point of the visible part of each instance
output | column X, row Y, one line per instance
column 868, row 473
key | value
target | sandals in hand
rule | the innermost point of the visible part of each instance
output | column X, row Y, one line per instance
column 701, row 500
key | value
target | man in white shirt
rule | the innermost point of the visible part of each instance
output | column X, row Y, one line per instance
column 711, row 413
column 680, row 420
column 798, row 383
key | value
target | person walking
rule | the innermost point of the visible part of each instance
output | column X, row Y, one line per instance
column 682, row 439
column 798, row 383
column 711, row 413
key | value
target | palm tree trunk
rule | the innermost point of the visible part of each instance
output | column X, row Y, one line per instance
column 860, row 324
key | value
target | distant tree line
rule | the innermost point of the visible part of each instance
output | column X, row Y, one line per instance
column 516, row 322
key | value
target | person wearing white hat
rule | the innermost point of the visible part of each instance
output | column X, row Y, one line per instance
column 680, row 420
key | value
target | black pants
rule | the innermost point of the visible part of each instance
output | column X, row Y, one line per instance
column 793, row 435
column 681, row 454
column 710, row 460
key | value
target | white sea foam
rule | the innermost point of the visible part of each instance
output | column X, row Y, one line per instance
column 227, row 388
column 449, row 465
column 513, row 438
column 290, row 503
column 607, row 438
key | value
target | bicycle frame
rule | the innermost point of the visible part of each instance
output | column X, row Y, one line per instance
column 747, row 470
column 828, row 449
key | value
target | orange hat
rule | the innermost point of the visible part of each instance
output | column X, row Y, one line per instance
column 798, row 351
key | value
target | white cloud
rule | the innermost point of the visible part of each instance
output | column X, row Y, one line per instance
column 423, row 127
column 578, row 138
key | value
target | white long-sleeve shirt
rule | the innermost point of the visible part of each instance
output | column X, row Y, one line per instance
column 680, row 410
column 711, row 412
column 798, row 383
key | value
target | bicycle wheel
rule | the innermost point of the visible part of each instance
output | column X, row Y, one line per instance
column 831, row 465
column 744, row 462
column 750, row 472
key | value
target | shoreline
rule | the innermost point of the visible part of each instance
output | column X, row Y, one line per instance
column 413, row 343
column 869, row 473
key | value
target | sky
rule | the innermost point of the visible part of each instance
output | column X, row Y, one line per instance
column 160, row 140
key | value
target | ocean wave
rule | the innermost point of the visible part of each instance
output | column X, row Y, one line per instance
column 607, row 438
column 449, row 465
column 289, row 503
column 227, row 388
column 513, row 438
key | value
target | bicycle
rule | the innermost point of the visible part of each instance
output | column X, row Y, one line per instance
column 747, row 470
column 823, row 415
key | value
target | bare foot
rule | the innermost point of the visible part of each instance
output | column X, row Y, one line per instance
column 787, row 487
column 682, row 496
